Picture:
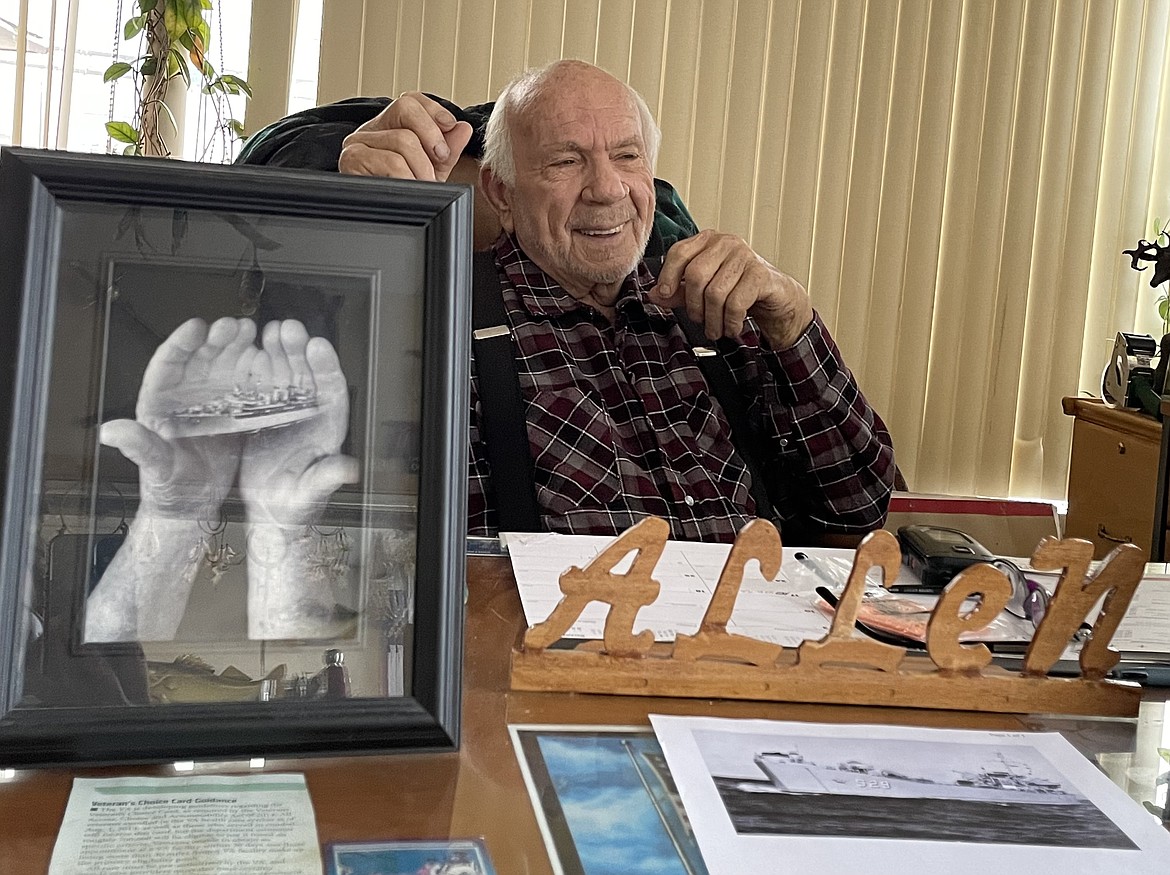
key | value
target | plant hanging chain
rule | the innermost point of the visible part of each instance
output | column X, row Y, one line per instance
column 114, row 60
column 223, row 132
column 173, row 32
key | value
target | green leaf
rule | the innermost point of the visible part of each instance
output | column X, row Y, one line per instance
column 236, row 127
column 238, row 83
column 1164, row 753
column 116, row 71
column 132, row 149
column 1164, row 308
column 149, row 66
column 177, row 63
column 134, row 26
column 147, row 5
column 170, row 114
column 122, row 132
column 193, row 14
column 206, row 4
column 174, row 24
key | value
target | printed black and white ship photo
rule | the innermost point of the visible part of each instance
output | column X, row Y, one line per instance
column 890, row 788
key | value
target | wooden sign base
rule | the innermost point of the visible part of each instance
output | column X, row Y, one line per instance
column 910, row 687
column 844, row 667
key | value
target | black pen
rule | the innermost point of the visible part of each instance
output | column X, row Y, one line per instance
column 817, row 568
column 1147, row 675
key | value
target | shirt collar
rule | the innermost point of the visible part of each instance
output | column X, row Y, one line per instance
column 541, row 295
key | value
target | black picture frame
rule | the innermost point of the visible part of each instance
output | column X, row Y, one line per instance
column 54, row 204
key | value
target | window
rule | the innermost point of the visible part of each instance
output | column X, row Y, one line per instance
column 306, row 56
column 59, row 98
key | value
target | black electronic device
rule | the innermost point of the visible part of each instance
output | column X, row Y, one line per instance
column 936, row 554
column 1130, row 365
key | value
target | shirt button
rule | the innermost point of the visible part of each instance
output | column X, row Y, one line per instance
column 783, row 442
column 689, row 501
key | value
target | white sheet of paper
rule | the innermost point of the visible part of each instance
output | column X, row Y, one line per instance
column 890, row 810
column 782, row 611
column 1145, row 628
column 205, row 824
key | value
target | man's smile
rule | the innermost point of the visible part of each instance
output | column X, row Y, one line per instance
column 601, row 232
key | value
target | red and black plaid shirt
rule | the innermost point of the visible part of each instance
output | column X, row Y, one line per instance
column 621, row 424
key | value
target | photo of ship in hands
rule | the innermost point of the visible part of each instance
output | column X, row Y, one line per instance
column 247, row 410
column 794, row 785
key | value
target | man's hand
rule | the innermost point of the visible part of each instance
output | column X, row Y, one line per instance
column 185, row 477
column 413, row 138
column 721, row 280
column 287, row 474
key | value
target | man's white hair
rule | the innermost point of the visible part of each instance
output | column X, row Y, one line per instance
column 518, row 95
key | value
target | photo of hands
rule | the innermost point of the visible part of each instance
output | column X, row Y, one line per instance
column 270, row 414
column 249, row 413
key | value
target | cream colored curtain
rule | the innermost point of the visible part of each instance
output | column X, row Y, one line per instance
column 954, row 181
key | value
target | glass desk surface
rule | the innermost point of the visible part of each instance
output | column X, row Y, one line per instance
column 1134, row 752
column 480, row 791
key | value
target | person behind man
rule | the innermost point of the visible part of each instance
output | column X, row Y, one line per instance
column 620, row 421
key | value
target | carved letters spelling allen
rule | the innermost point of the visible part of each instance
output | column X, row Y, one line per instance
column 844, row 666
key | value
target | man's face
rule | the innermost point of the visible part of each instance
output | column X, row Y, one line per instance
column 583, row 203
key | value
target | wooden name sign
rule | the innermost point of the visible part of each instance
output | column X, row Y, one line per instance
column 844, row 667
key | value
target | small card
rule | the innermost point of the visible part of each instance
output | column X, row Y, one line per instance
column 414, row 857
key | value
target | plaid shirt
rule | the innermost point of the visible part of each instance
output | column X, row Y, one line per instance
column 621, row 424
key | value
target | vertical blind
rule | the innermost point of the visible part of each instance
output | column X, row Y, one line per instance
column 954, row 181
column 36, row 71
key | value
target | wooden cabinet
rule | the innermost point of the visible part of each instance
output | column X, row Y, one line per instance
column 1113, row 474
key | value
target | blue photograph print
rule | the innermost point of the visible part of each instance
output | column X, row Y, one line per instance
column 607, row 802
column 455, row 857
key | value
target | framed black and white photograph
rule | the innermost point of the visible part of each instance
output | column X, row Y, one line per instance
column 234, row 420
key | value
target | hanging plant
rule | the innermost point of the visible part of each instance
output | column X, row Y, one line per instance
column 175, row 36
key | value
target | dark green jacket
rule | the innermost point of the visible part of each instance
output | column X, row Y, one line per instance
column 311, row 140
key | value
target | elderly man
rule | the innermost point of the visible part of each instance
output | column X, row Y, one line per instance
column 620, row 421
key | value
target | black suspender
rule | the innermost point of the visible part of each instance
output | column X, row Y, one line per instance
column 746, row 439
column 502, row 420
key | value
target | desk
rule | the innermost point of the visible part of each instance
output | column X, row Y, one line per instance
column 477, row 791
column 1161, row 531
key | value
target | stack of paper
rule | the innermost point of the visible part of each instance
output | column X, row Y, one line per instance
column 714, row 796
column 783, row 611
